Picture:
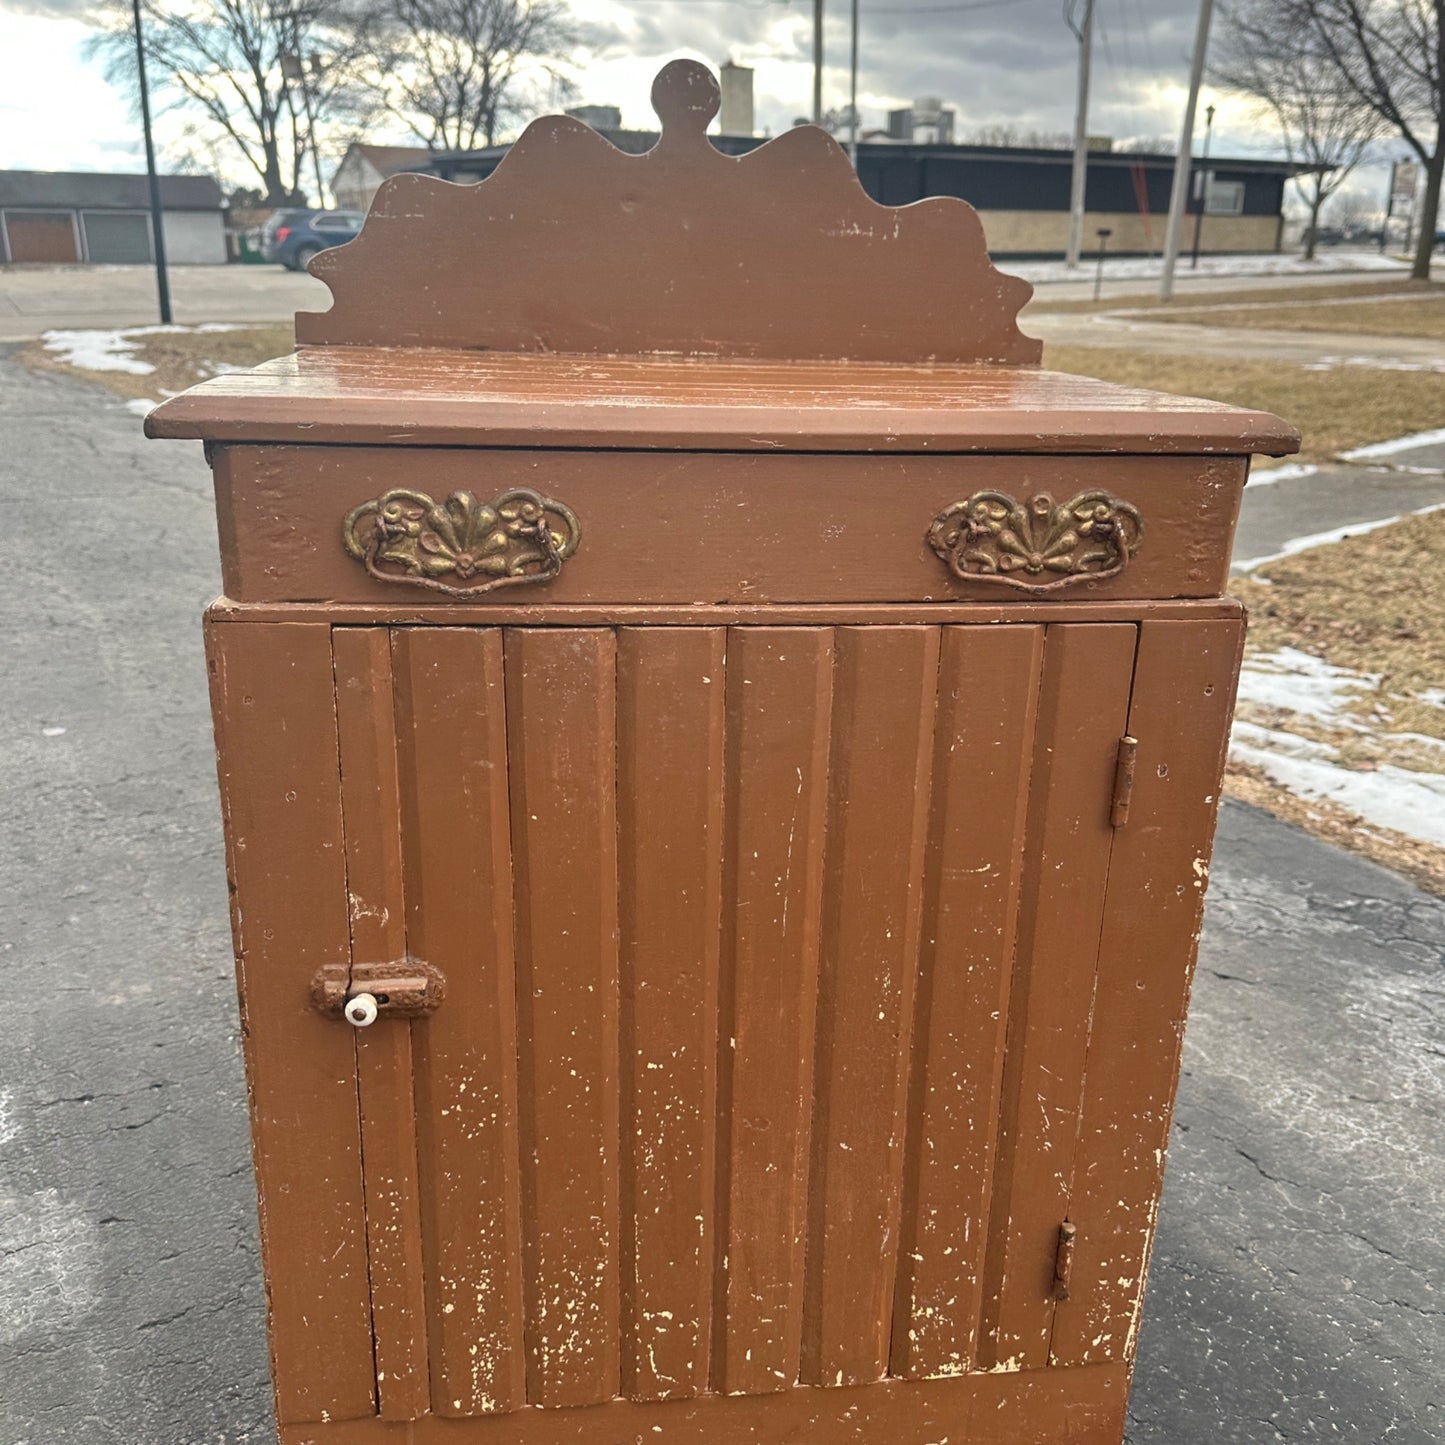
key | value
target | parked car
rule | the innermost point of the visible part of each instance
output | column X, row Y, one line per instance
column 292, row 237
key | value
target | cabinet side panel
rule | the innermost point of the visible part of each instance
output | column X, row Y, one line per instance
column 370, row 805
column 561, row 696
column 984, row 742
column 276, row 732
column 885, row 686
column 779, row 689
column 1083, row 712
column 452, row 763
column 1183, row 696
column 671, row 691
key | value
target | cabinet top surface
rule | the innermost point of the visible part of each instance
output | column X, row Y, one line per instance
column 426, row 396
column 682, row 299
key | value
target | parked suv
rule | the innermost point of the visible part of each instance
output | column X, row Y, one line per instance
column 293, row 237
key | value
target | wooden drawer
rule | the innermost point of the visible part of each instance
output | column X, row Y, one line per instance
column 706, row 527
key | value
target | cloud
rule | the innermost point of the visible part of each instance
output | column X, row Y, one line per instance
column 1011, row 63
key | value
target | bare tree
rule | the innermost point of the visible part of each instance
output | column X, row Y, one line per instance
column 455, row 72
column 1326, row 124
column 264, row 74
column 1391, row 54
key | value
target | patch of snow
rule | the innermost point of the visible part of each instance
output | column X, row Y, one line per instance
column 1373, row 363
column 1395, row 445
column 1337, row 534
column 141, row 405
column 1143, row 267
column 114, row 349
column 1289, row 472
column 1435, row 696
column 1388, row 797
column 97, row 351
column 52, row 732
column 1303, row 684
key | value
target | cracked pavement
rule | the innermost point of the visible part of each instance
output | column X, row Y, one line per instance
column 1296, row 1292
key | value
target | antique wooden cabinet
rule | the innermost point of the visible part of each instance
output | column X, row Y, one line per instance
column 719, row 754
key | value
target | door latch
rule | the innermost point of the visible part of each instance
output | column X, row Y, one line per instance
column 1064, row 1259
column 361, row 993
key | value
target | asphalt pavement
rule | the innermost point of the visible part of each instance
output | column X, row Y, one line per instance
column 1296, row 1290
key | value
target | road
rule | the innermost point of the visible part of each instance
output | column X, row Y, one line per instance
column 1296, row 1283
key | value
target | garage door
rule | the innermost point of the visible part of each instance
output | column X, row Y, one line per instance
column 117, row 238
column 45, row 236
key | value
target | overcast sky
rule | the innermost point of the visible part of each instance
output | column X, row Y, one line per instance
column 1004, row 62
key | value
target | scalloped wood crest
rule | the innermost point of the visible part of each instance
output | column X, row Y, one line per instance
column 572, row 246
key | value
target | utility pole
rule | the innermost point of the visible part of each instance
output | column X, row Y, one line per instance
column 1085, row 34
column 1203, row 186
column 817, row 62
column 1182, row 162
column 158, row 237
column 853, row 94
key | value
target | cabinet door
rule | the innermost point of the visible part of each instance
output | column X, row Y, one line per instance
column 791, row 977
column 1110, row 920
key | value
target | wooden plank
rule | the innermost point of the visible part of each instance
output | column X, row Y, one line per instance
column 1083, row 712
column 366, row 727
column 561, row 702
column 1183, row 696
column 670, row 686
column 412, row 611
column 984, row 745
column 452, row 762
column 1085, row 1406
column 779, row 692
column 884, row 695
column 274, row 709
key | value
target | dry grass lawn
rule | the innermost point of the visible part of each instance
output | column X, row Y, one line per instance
column 1334, row 410
column 1370, row 604
column 1420, row 313
column 1148, row 300
column 180, row 358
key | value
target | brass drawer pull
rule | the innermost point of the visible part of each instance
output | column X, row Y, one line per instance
column 519, row 536
column 1038, row 544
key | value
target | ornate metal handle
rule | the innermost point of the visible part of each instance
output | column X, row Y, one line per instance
column 519, row 536
column 1038, row 544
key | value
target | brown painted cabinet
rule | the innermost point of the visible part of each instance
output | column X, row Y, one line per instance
column 717, row 831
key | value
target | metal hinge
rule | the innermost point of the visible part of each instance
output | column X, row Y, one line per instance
column 1123, row 781
column 1064, row 1259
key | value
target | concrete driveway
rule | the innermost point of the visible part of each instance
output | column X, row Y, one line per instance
column 34, row 299
column 1296, row 1286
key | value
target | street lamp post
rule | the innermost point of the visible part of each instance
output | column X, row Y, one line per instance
column 1203, row 185
column 853, row 94
column 158, row 237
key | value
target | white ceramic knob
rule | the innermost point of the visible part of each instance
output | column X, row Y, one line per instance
column 360, row 1010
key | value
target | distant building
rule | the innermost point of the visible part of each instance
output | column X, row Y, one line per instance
column 599, row 117
column 88, row 217
column 926, row 122
column 1022, row 194
column 736, row 116
column 364, row 167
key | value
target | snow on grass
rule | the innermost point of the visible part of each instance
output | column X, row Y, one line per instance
column 98, row 351
column 1395, row 445
column 1286, row 472
column 1299, row 683
column 1385, row 796
column 1335, row 534
column 115, row 349
column 1147, row 267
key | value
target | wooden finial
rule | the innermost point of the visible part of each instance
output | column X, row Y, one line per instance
column 686, row 97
